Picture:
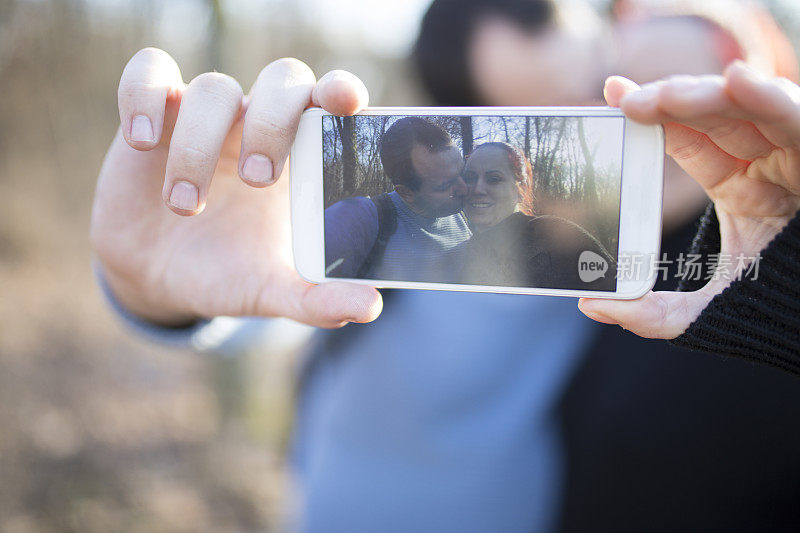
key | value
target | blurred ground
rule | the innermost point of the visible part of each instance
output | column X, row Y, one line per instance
column 100, row 431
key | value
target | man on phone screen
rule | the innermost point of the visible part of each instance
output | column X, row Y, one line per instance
column 414, row 232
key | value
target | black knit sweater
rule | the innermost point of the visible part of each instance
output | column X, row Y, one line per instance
column 757, row 317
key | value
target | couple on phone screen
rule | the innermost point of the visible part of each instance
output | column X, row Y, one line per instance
column 453, row 221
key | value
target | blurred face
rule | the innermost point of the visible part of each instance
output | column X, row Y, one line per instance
column 493, row 194
column 654, row 48
column 442, row 190
column 561, row 65
column 567, row 65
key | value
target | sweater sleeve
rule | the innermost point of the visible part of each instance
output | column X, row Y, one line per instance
column 756, row 317
column 218, row 335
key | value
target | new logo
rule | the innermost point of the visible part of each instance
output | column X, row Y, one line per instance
column 591, row 266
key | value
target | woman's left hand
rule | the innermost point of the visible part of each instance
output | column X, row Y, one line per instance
column 737, row 135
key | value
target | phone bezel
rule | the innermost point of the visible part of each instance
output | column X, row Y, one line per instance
column 640, row 200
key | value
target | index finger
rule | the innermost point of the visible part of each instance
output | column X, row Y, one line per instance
column 693, row 150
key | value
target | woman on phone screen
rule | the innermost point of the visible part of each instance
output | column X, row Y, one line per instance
column 511, row 246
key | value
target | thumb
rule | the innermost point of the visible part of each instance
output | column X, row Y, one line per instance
column 656, row 315
column 334, row 304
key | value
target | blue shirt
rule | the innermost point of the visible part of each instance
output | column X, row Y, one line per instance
column 421, row 248
column 439, row 417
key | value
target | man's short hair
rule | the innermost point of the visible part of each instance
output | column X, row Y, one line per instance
column 441, row 51
column 400, row 138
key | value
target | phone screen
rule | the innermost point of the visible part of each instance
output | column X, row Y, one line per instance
column 503, row 201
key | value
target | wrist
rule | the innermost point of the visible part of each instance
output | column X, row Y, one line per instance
column 137, row 302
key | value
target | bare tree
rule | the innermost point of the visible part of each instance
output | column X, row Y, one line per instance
column 466, row 134
column 528, row 138
column 590, row 187
column 347, row 133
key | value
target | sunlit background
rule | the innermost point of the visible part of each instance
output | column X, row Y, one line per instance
column 100, row 431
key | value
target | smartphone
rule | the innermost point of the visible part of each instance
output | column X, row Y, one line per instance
column 559, row 201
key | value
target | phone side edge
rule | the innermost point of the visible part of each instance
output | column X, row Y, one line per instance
column 647, row 170
column 306, row 197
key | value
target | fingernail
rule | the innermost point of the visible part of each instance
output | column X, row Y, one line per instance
column 141, row 129
column 257, row 168
column 184, row 196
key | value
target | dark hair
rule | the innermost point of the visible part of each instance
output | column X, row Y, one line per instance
column 523, row 173
column 400, row 138
column 440, row 53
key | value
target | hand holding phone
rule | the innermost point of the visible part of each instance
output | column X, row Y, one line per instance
column 738, row 135
column 191, row 212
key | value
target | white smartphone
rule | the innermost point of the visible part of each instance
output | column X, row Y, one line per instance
column 559, row 201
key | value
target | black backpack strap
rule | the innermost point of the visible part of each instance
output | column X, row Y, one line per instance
column 387, row 225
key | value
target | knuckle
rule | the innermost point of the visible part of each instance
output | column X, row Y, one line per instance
column 151, row 54
column 679, row 78
column 660, row 311
column 683, row 310
column 720, row 131
column 261, row 127
column 218, row 85
column 191, row 158
column 289, row 67
column 135, row 90
column 290, row 64
column 150, row 71
column 689, row 149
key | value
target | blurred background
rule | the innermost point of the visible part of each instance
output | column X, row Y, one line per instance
column 100, row 431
